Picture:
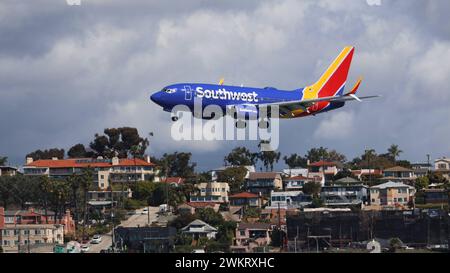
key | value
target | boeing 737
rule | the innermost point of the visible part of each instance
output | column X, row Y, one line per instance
column 245, row 102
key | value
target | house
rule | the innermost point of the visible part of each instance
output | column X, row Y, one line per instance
column 367, row 173
column 115, row 170
column 215, row 173
column 399, row 174
column 421, row 169
column 325, row 169
column 174, row 181
column 151, row 239
column 392, row 195
column 296, row 183
column 344, row 194
column 216, row 192
column 246, row 199
column 276, row 216
column 264, row 182
column 192, row 207
column 35, row 217
column 234, row 213
column 289, row 200
column 8, row 171
column 251, row 235
column 109, row 195
column 442, row 166
column 436, row 196
column 295, row 172
column 18, row 229
column 198, row 229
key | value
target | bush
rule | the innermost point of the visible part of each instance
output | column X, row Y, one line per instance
column 183, row 249
column 133, row 204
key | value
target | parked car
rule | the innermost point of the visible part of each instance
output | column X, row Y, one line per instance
column 144, row 211
column 85, row 248
column 96, row 239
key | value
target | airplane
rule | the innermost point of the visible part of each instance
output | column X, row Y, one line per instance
column 246, row 102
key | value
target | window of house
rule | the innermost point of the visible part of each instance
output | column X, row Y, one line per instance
column 242, row 233
column 5, row 232
column 373, row 200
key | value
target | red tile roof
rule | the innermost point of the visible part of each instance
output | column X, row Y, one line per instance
column 244, row 195
column 323, row 163
column 300, row 177
column 177, row 180
column 86, row 162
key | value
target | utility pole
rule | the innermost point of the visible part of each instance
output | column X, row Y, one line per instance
column 112, row 218
column 279, row 227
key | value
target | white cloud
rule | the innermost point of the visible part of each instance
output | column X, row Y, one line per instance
column 336, row 126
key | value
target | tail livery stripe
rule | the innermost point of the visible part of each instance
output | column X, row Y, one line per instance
column 334, row 77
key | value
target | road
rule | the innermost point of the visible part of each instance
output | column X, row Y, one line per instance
column 141, row 218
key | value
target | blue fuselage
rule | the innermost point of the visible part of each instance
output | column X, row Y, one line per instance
column 225, row 95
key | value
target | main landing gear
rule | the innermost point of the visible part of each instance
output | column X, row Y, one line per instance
column 262, row 124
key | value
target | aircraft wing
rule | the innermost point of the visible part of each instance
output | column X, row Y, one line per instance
column 290, row 106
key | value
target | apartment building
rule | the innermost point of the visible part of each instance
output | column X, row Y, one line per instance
column 391, row 195
column 115, row 170
column 216, row 192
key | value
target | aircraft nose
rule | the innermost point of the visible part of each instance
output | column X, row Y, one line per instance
column 156, row 98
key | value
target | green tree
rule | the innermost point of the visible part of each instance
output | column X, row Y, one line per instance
column 241, row 156
column 79, row 151
column 333, row 155
column 182, row 220
column 277, row 237
column 312, row 188
column 234, row 176
column 209, row 216
column 3, row 160
column 119, row 142
column 176, row 164
column 47, row 154
column 268, row 158
column 317, row 154
column 317, row 202
column 295, row 161
column 394, row 152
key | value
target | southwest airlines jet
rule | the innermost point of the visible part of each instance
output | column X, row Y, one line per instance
column 325, row 95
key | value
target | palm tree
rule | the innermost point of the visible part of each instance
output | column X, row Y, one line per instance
column 394, row 151
column 268, row 157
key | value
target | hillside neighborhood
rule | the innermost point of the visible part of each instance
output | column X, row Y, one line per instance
column 320, row 202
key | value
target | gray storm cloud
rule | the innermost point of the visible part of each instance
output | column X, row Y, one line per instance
column 67, row 72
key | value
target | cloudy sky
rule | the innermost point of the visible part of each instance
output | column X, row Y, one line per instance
column 68, row 72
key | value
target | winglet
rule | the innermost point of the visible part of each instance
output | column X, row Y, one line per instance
column 355, row 87
column 221, row 81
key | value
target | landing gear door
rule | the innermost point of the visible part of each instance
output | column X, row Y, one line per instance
column 187, row 92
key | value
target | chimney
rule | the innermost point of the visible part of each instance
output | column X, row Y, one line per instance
column 54, row 158
column 147, row 158
column 308, row 162
column 29, row 160
column 115, row 161
column 2, row 217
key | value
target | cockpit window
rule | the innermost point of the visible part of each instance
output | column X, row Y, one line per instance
column 169, row 90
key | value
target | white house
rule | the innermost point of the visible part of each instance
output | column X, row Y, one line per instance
column 198, row 229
